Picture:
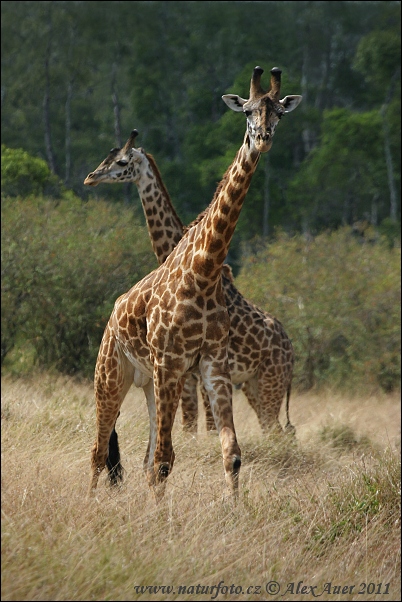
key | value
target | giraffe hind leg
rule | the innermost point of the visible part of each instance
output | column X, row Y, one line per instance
column 273, row 384
column 209, row 417
column 113, row 378
column 99, row 457
column 289, row 428
column 189, row 404
column 265, row 401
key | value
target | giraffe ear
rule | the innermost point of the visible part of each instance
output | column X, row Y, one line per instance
column 234, row 102
column 137, row 154
column 289, row 103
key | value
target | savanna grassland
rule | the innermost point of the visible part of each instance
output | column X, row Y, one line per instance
column 323, row 510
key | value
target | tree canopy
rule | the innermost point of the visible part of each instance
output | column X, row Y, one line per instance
column 76, row 80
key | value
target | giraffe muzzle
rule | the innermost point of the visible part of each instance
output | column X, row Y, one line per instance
column 263, row 142
column 89, row 181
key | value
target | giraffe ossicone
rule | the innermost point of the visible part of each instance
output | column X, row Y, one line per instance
column 176, row 321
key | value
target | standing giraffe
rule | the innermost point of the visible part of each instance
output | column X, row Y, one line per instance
column 175, row 320
column 260, row 353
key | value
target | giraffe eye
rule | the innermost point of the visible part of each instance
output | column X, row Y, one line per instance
column 122, row 162
column 247, row 113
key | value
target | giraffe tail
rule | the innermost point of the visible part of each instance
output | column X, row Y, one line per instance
column 289, row 428
column 113, row 463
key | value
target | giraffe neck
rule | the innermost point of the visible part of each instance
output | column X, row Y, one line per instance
column 164, row 226
column 212, row 235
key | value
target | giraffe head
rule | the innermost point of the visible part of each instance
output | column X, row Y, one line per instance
column 121, row 165
column 263, row 109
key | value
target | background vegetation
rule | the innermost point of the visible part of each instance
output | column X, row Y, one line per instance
column 338, row 296
column 63, row 266
column 76, row 81
column 318, row 240
column 65, row 263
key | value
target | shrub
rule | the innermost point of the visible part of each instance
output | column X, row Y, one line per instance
column 63, row 266
column 23, row 174
column 338, row 298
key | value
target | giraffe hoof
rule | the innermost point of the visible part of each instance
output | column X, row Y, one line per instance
column 163, row 471
column 236, row 464
column 290, row 429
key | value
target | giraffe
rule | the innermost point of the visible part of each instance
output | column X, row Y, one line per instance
column 261, row 356
column 175, row 319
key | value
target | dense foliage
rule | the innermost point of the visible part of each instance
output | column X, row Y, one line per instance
column 338, row 296
column 63, row 266
column 75, row 81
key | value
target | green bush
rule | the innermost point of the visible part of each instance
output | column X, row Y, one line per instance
column 391, row 230
column 23, row 174
column 338, row 297
column 63, row 266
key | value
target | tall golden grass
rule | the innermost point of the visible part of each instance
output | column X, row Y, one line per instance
column 322, row 513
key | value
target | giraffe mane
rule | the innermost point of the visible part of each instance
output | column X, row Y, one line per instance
column 163, row 188
column 227, row 272
column 221, row 184
column 196, row 221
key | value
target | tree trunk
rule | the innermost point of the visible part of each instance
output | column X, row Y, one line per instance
column 306, row 132
column 70, row 87
column 374, row 211
column 117, row 128
column 116, row 108
column 68, row 132
column 387, row 147
column 46, row 102
column 390, row 169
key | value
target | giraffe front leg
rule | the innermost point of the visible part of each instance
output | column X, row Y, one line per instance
column 218, row 385
column 167, row 390
column 150, row 453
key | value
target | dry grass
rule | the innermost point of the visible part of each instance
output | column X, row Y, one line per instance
column 325, row 510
